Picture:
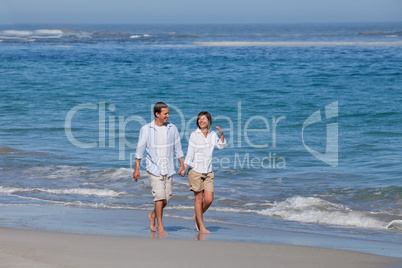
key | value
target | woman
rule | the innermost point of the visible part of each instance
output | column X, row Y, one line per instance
column 199, row 159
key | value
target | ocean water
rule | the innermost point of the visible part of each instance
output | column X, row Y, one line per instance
column 311, row 113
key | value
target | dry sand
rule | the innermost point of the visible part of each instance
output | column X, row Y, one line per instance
column 27, row 248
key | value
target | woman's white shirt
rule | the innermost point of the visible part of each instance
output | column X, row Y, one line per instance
column 200, row 149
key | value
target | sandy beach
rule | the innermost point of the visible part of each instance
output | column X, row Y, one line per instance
column 310, row 176
column 27, row 248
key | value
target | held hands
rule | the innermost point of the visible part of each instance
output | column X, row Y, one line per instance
column 182, row 171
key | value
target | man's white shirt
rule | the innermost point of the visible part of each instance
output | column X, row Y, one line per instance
column 161, row 148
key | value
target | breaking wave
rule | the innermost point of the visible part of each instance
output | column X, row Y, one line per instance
column 298, row 44
column 74, row 191
column 319, row 211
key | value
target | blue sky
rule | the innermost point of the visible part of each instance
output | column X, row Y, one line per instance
column 198, row 11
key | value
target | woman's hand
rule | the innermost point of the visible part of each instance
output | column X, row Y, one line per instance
column 182, row 171
column 219, row 130
column 221, row 133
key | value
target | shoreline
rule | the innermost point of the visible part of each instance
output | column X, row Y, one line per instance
column 135, row 224
column 55, row 249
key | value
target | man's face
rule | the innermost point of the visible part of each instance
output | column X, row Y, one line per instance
column 163, row 116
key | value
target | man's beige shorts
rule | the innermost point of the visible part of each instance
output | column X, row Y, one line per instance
column 200, row 181
column 161, row 187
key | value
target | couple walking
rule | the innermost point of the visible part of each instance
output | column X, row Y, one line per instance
column 160, row 139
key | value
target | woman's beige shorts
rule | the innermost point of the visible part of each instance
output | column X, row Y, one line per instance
column 200, row 181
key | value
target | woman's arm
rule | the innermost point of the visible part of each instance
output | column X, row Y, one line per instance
column 221, row 142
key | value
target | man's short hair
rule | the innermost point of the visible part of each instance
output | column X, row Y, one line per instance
column 208, row 117
column 158, row 107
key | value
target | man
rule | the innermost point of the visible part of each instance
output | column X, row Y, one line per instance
column 160, row 139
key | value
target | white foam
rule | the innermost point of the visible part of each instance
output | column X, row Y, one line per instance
column 31, row 36
column 72, row 191
column 179, row 207
column 16, row 33
column 92, row 205
column 101, row 205
column 298, row 44
column 84, row 191
column 316, row 210
column 123, row 172
column 46, row 36
column 61, row 171
column 12, row 38
column 39, row 199
column 8, row 190
column 48, row 32
column 118, row 174
column 395, row 225
column 147, row 35
column 231, row 210
column 41, row 32
column 213, row 208
column 135, row 36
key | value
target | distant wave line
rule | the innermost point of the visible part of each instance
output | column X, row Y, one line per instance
column 297, row 44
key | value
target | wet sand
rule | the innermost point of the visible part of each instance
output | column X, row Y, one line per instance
column 19, row 248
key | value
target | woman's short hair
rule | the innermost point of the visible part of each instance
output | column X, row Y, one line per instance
column 208, row 117
column 158, row 107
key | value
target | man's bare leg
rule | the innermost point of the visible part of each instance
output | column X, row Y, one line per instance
column 159, row 205
column 151, row 217
column 196, row 223
column 199, row 196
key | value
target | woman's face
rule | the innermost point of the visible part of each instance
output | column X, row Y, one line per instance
column 203, row 122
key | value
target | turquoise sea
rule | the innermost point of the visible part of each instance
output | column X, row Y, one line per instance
column 311, row 112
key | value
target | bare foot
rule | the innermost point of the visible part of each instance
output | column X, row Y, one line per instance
column 196, row 224
column 162, row 231
column 204, row 231
column 152, row 225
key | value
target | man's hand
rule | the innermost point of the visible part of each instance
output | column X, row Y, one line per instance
column 136, row 175
column 182, row 171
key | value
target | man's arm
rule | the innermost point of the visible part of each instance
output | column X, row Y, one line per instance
column 182, row 170
column 136, row 173
column 179, row 152
column 142, row 142
column 177, row 145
